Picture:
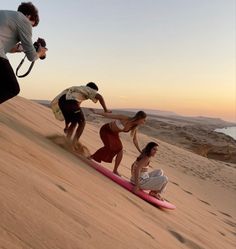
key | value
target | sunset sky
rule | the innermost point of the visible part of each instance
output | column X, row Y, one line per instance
column 171, row 55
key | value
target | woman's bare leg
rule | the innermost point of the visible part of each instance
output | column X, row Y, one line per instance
column 117, row 162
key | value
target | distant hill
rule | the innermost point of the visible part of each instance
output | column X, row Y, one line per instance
column 170, row 117
column 153, row 112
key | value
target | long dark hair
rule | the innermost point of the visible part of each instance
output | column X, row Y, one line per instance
column 139, row 115
column 147, row 150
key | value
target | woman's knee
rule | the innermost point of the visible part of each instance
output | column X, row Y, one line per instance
column 165, row 179
column 117, row 150
column 120, row 152
column 161, row 172
column 157, row 172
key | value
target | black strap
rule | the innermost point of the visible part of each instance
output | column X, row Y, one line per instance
column 19, row 66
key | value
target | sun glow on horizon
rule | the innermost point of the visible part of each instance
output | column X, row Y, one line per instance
column 177, row 57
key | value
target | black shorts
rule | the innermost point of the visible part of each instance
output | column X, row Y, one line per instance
column 71, row 111
column 9, row 86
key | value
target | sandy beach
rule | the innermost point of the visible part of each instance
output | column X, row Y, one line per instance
column 49, row 199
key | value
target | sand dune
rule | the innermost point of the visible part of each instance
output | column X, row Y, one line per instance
column 50, row 199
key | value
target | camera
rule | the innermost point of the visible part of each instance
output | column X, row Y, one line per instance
column 40, row 42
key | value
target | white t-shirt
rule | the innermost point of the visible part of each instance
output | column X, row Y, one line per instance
column 78, row 93
column 81, row 93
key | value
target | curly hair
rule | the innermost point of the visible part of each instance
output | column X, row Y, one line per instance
column 92, row 85
column 28, row 9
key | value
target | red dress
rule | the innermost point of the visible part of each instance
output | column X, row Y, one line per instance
column 112, row 145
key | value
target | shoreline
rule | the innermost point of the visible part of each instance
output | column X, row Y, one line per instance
column 229, row 131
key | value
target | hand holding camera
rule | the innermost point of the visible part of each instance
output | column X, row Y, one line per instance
column 40, row 47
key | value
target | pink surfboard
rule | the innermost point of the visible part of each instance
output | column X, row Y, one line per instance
column 129, row 186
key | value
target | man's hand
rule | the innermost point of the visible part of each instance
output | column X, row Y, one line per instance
column 42, row 51
column 108, row 111
column 17, row 49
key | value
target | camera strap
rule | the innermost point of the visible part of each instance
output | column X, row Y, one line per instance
column 19, row 66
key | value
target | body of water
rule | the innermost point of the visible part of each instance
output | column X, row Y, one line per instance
column 230, row 131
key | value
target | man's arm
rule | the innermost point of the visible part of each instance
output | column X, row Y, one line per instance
column 102, row 102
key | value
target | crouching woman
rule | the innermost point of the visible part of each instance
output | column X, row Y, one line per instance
column 155, row 181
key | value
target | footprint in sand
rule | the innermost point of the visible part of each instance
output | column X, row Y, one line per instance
column 231, row 223
column 188, row 192
column 144, row 231
column 205, row 202
column 228, row 215
column 223, row 234
column 189, row 243
column 61, row 188
column 212, row 213
column 175, row 183
column 65, row 144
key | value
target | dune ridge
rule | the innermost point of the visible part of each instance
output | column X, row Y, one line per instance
column 51, row 199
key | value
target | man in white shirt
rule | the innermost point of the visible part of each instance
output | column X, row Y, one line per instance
column 69, row 101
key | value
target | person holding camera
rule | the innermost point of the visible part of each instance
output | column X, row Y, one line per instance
column 16, row 36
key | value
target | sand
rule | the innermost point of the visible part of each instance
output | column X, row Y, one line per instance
column 51, row 199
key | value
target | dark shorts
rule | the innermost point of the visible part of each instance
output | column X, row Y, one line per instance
column 71, row 111
column 9, row 86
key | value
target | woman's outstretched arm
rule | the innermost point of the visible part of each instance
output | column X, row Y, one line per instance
column 110, row 115
column 135, row 141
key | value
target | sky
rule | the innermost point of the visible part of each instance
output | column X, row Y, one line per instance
column 169, row 55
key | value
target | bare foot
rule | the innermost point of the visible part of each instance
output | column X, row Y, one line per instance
column 75, row 148
column 159, row 197
column 156, row 195
column 117, row 173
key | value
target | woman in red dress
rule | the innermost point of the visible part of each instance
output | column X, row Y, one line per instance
column 109, row 134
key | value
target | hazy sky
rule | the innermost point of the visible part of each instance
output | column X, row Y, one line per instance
column 173, row 55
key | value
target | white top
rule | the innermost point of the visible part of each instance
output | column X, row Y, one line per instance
column 78, row 93
column 119, row 125
column 81, row 93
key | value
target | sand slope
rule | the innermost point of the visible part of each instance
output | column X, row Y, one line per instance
column 50, row 199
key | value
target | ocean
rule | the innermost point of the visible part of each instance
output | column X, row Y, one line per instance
column 230, row 131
